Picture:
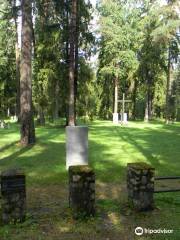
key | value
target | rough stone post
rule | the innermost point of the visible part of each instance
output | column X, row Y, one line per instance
column 140, row 185
column 82, row 191
column 13, row 194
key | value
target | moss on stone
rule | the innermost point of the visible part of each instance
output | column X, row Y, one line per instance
column 140, row 166
column 80, row 169
column 13, row 172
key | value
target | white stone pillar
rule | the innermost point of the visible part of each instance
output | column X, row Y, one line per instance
column 76, row 146
column 125, row 118
column 115, row 118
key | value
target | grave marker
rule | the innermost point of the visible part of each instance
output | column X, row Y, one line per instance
column 13, row 191
column 76, row 145
column 123, row 114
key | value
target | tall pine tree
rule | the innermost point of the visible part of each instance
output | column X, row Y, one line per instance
column 27, row 122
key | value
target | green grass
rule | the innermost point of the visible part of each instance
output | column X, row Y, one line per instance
column 111, row 147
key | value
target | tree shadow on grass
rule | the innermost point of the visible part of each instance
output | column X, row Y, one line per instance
column 11, row 160
column 45, row 166
column 43, row 163
column 12, row 128
column 109, row 151
column 7, row 146
column 49, row 134
column 157, row 146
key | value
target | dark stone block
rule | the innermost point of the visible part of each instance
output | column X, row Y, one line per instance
column 140, row 185
column 82, row 191
column 12, row 184
column 13, row 196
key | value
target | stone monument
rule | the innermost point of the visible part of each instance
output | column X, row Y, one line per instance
column 13, row 191
column 115, row 118
column 76, row 145
column 124, row 118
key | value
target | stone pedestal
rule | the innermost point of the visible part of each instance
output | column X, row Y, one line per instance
column 13, row 196
column 140, row 185
column 76, row 146
column 82, row 191
column 125, row 120
column 3, row 124
column 115, row 118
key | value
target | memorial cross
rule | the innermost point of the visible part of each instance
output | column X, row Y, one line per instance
column 123, row 101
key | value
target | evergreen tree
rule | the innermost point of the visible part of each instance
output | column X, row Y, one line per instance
column 7, row 62
column 27, row 122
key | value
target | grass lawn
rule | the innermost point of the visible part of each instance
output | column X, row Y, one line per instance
column 110, row 149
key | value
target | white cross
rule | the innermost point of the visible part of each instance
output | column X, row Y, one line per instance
column 123, row 101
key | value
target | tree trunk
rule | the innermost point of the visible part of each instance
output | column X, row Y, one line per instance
column 146, row 115
column 41, row 118
column 72, row 42
column 150, row 104
column 17, row 49
column 18, row 110
column 33, row 37
column 147, row 101
column 27, row 121
column 149, row 98
column 76, row 58
column 134, row 99
column 56, row 103
column 66, row 14
column 168, row 90
column 116, row 95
